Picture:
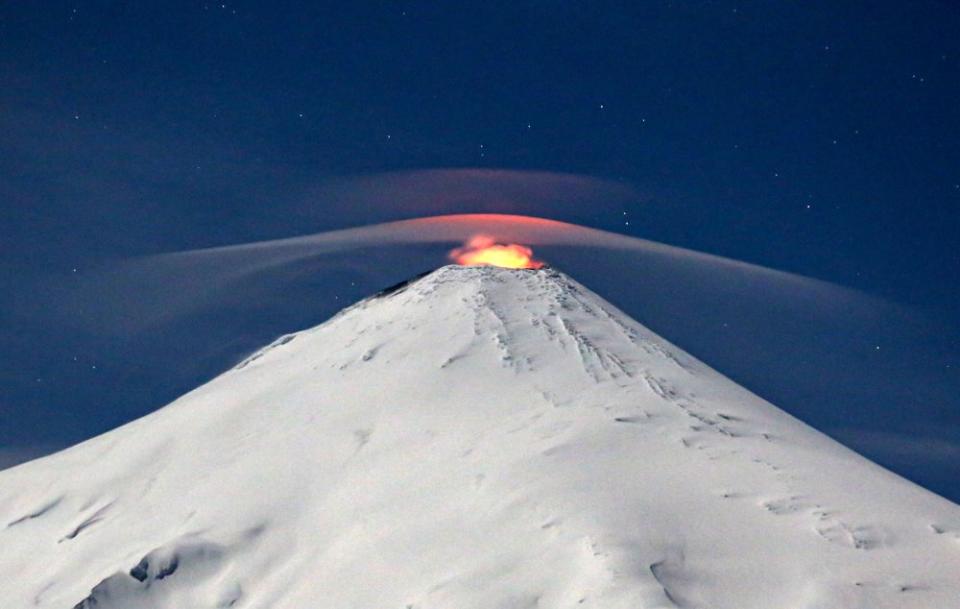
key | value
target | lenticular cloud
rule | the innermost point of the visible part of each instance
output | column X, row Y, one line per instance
column 144, row 292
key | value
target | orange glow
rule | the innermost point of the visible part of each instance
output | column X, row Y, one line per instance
column 484, row 250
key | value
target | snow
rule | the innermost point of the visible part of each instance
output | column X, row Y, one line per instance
column 480, row 438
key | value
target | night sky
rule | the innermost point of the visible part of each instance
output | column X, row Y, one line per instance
column 821, row 139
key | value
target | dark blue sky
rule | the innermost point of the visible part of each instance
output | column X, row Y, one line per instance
column 818, row 138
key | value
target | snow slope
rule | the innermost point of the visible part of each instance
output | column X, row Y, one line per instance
column 481, row 438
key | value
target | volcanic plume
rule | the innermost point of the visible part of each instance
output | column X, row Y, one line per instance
column 483, row 250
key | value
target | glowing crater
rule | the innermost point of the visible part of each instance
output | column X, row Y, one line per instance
column 483, row 250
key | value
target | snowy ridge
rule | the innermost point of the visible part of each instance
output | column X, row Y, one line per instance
column 477, row 438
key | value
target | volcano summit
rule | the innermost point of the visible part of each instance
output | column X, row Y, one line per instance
column 481, row 438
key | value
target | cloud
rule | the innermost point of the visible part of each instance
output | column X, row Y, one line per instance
column 15, row 455
column 406, row 194
column 904, row 449
column 136, row 294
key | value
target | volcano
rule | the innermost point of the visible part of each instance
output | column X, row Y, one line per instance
column 480, row 438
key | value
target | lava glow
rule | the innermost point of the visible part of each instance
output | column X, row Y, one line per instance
column 484, row 250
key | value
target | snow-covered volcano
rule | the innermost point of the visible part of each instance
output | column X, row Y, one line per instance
column 479, row 438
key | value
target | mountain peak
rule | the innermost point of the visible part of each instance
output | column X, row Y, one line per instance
column 477, row 437
column 526, row 320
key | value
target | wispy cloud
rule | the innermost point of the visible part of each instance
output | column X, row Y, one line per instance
column 903, row 448
column 15, row 455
